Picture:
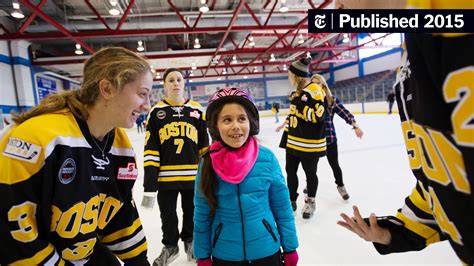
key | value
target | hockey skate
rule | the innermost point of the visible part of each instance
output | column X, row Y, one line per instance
column 342, row 190
column 188, row 248
column 309, row 208
column 168, row 255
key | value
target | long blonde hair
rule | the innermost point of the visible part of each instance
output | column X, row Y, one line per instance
column 301, row 83
column 325, row 87
column 117, row 65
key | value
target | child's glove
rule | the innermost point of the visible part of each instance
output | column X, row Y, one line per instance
column 291, row 259
column 204, row 262
column 148, row 200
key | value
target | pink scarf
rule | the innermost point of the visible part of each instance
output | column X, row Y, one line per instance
column 233, row 165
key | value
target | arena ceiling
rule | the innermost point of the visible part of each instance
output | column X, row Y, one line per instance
column 235, row 37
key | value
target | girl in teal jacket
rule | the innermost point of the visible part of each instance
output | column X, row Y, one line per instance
column 242, row 208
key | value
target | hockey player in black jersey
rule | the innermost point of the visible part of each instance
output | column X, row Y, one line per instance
column 68, row 170
column 176, row 135
column 304, row 137
column 435, row 88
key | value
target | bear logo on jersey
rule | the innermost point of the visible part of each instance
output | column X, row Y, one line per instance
column 67, row 172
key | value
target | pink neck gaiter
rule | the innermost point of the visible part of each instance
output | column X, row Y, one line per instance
column 233, row 165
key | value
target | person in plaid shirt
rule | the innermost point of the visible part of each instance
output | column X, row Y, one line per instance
column 335, row 107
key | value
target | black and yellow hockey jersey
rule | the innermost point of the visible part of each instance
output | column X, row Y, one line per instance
column 176, row 136
column 305, row 125
column 435, row 95
column 60, row 196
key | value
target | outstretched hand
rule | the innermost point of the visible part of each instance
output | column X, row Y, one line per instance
column 280, row 127
column 369, row 232
column 359, row 133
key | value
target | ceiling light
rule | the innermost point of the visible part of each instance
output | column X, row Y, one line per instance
column 140, row 47
column 161, row 82
column 301, row 39
column 204, row 8
column 193, row 66
column 284, row 67
column 17, row 13
column 197, row 45
column 251, row 42
column 78, row 49
column 308, row 55
column 158, row 76
column 234, row 60
column 218, row 78
column 190, row 80
column 255, row 69
column 114, row 11
column 224, row 72
column 272, row 58
column 283, row 7
column 245, row 77
column 346, row 38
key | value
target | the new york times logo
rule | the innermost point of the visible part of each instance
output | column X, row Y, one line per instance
column 398, row 20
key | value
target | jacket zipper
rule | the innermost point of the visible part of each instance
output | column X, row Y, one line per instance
column 269, row 229
column 217, row 233
column 242, row 221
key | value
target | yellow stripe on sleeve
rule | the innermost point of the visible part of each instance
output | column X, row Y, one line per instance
column 134, row 252
column 121, row 233
column 37, row 258
column 151, row 163
column 419, row 202
column 420, row 229
column 151, row 152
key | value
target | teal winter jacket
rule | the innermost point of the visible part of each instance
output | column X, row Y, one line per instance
column 253, row 219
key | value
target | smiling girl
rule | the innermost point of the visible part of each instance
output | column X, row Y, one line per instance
column 242, row 207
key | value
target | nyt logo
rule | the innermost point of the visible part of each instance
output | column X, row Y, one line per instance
column 320, row 21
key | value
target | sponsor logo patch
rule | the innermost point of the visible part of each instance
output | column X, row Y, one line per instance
column 67, row 172
column 161, row 114
column 22, row 150
column 195, row 114
column 128, row 173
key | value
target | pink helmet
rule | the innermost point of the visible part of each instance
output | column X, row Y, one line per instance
column 228, row 95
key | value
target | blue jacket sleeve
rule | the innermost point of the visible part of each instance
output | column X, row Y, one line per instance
column 202, row 222
column 281, row 208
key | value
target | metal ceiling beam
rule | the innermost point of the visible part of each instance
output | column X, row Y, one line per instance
column 54, row 23
column 178, row 14
column 143, row 32
column 226, row 33
column 196, row 53
column 125, row 14
column 88, row 2
column 270, row 48
column 352, row 48
column 296, row 27
column 29, row 19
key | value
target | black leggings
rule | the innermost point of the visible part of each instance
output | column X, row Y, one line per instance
column 169, row 219
column 331, row 154
column 310, row 166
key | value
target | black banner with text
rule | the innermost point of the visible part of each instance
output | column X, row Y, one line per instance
column 392, row 20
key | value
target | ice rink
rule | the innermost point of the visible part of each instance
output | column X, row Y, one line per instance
column 376, row 175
